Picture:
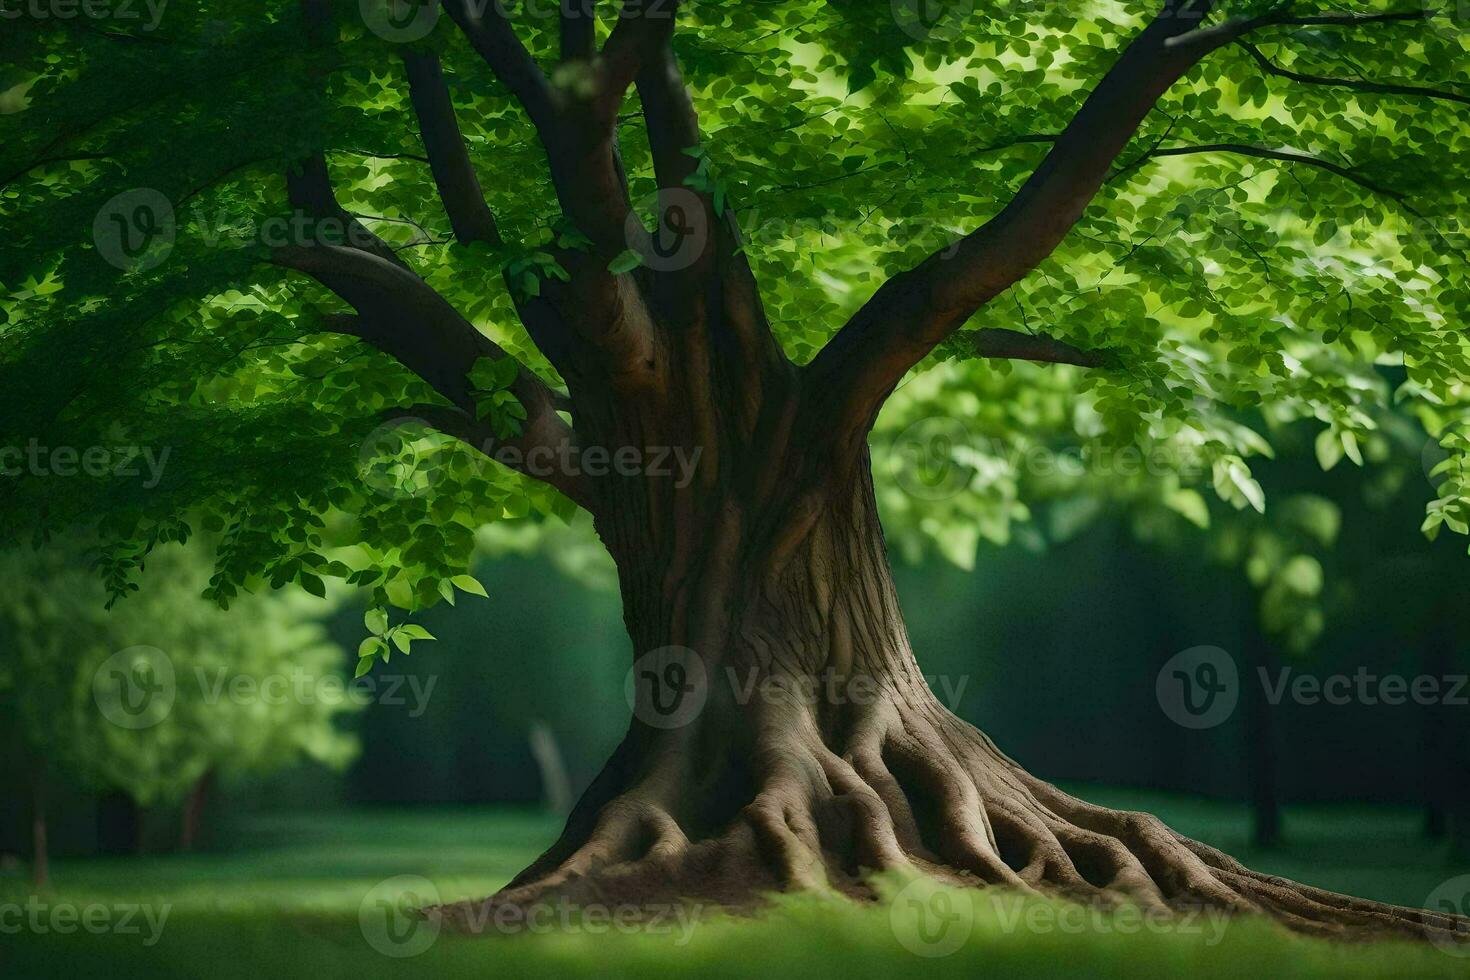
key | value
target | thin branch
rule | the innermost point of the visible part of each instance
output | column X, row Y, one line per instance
column 1286, row 156
column 992, row 342
column 1212, row 37
column 402, row 316
column 1382, row 88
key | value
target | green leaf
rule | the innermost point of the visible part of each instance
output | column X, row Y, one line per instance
column 470, row 584
column 371, row 647
column 376, row 620
column 313, row 584
column 626, row 261
column 363, row 666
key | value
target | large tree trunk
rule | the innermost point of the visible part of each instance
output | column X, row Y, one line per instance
column 783, row 738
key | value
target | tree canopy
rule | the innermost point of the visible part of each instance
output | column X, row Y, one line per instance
column 1281, row 239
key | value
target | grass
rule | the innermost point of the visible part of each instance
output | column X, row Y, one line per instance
column 318, row 896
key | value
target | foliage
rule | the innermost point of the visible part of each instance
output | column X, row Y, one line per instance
column 1219, row 280
column 245, row 692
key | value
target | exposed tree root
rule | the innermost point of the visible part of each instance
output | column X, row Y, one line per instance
column 907, row 787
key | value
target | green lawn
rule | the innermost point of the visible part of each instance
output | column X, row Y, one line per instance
column 299, row 896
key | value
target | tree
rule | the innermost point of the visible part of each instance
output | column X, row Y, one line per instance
column 1210, row 206
column 154, row 699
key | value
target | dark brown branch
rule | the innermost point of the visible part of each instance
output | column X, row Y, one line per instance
column 915, row 310
column 449, row 159
column 494, row 38
column 309, row 184
column 309, row 190
column 643, row 30
column 538, row 458
column 1355, row 84
column 578, row 30
column 992, row 342
column 402, row 316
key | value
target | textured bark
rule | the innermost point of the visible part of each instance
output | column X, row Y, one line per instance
column 762, row 793
column 769, row 568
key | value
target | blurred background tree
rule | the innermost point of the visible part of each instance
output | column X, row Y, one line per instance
column 151, row 701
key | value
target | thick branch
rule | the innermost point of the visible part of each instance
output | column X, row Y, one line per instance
column 449, row 159
column 643, row 30
column 578, row 30
column 915, row 310
column 402, row 316
column 494, row 38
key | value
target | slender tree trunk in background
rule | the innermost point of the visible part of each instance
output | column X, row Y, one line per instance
column 193, row 815
column 119, row 824
column 40, row 848
column 1260, row 737
column 556, row 786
